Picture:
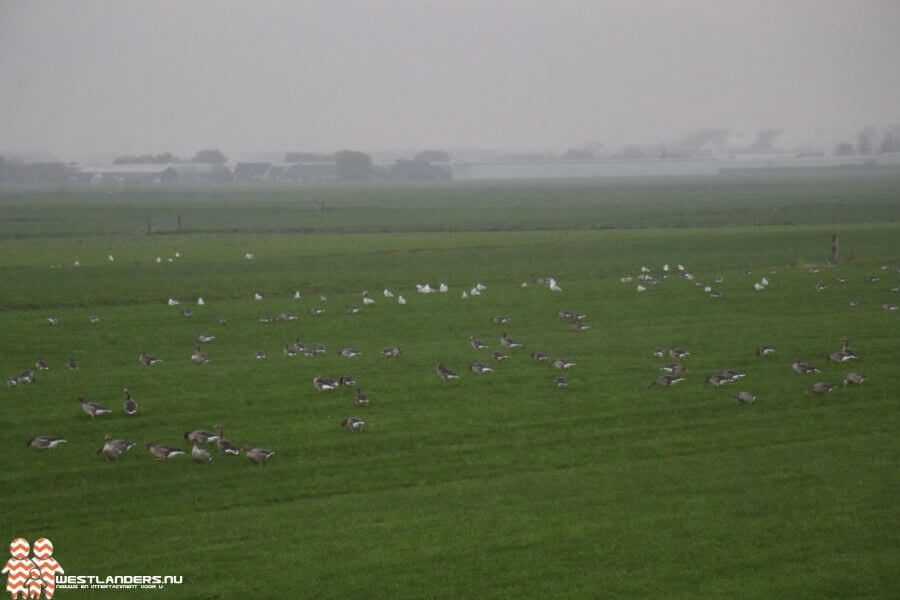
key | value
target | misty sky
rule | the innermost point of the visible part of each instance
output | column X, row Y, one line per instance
column 89, row 78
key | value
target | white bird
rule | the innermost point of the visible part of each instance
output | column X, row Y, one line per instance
column 645, row 270
column 388, row 293
column 322, row 298
column 641, row 288
column 428, row 289
column 420, row 288
column 764, row 281
column 666, row 268
column 110, row 258
column 200, row 301
column 297, row 295
column 401, row 300
column 367, row 300
column 248, row 256
column 524, row 284
column 464, row 295
column 257, row 296
column 178, row 255
column 758, row 287
column 158, row 259
column 707, row 289
column 443, row 288
column 170, row 260
column 480, row 287
column 173, row 302
column 681, row 267
column 77, row 263
column 553, row 286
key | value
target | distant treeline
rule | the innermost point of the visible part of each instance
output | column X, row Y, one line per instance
column 207, row 157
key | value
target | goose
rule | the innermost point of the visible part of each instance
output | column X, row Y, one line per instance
column 266, row 319
column 388, row 293
column 297, row 295
column 173, row 302
column 316, row 311
column 353, row 310
column 673, row 368
column 580, row 325
column 201, row 436
column 626, row 279
column 26, row 377
column 130, row 404
column 840, row 357
column 353, row 423
column 889, row 307
column 390, row 352
column 201, row 455
column 162, row 453
column 719, row 279
column 509, row 342
column 852, row 303
column 812, row 270
column 803, row 368
column 12, row 382
column 821, row 287
column 113, row 449
column 187, row 313
column 72, row 365
column 52, row 320
column 324, row 384
column 257, row 455
column 222, row 320
column 347, row 380
column 565, row 314
column 92, row 408
column 744, row 397
column 93, row 319
column 199, row 358
column 667, row 380
column 288, row 350
column 401, row 300
column 350, row 352
column 224, row 445
column 820, row 388
column 41, row 365
column 445, row 373
column 562, row 363
column 499, row 319
column 678, row 353
column 539, row 356
column 257, row 296
column 205, row 338
column 659, row 352
column 764, row 350
column 561, row 382
column 717, row 380
column 201, row 301
column 480, row 368
column 286, row 316
column 498, row 356
column 854, row 379
column 874, row 279
column 730, row 374
column 260, row 354
column 476, row 343
column 362, row 399
column 320, row 349
column 443, row 288
column 717, row 295
column 45, row 442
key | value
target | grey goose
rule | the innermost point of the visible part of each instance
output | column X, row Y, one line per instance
column 45, row 442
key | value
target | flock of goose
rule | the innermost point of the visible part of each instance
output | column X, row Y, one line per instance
column 673, row 372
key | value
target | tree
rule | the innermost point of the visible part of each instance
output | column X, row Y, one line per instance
column 887, row 144
column 575, row 154
column 865, row 144
column 844, row 149
column 209, row 157
column 430, row 156
column 353, row 166
column 301, row 157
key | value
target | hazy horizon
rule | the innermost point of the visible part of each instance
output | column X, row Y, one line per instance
column 100, row 78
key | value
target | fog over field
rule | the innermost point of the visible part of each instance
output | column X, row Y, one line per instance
column 101, row 78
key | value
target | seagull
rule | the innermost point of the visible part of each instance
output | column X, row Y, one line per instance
column 205, row 338
column 178, row 255
column 464, row 295
column 52, row 320
column 249, row 256
column 401, row 300
column 388, row 293
column 764, row 281
column 113, row 449
column 200, row 301
column 110, row 258
column 130, row 405
column 474, row 292
column 257, row 296
column 443, row 288
column 480, row 287
column 173, row 302
column 158, row 259
column 759, row 287
column 160, row 452
column 641, row 288
column 553, row 285
column 297, row 295
column 45, row 442
column 322, row 298
column 353, row 423
column 92, row 408
column 446, row 373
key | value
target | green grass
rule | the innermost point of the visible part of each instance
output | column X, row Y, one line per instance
column 496, row 486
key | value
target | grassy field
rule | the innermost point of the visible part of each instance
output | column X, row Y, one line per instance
column 491, row 486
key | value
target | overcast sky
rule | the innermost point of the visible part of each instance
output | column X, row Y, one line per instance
column 107, row 77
